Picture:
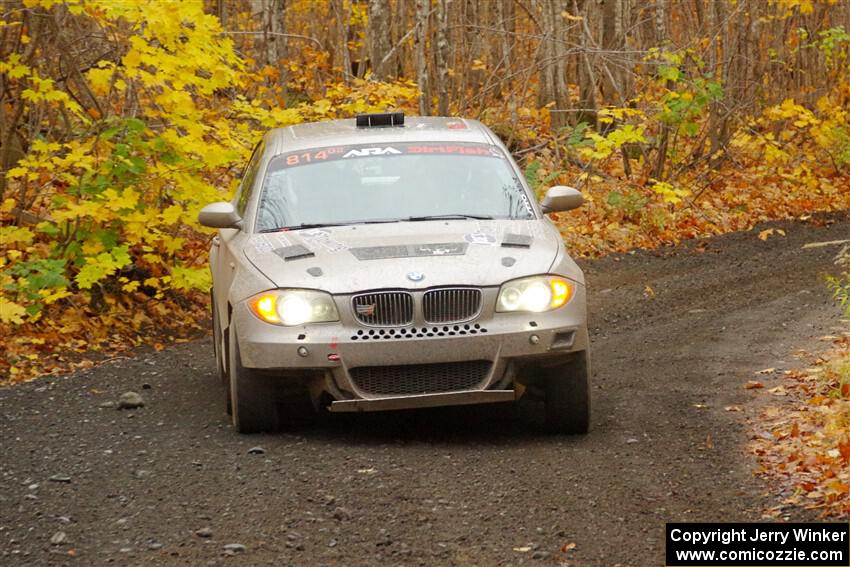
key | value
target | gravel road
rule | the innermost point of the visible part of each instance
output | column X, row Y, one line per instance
column 676, row 334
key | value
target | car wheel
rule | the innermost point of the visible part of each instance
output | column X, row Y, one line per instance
column 253, row 396
column 567, row 396
column 220, row 359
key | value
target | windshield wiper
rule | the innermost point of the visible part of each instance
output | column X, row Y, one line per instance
column 450, row 217
column 303, row 226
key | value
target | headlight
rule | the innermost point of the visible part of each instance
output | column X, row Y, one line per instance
column 535, row 294
column 291, row 307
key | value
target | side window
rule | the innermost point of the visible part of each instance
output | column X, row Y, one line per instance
column 249, row 176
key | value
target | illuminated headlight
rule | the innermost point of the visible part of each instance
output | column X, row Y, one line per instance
column 291, row 307
column 535, row 294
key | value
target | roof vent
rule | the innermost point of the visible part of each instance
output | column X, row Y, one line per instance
column 381, row 119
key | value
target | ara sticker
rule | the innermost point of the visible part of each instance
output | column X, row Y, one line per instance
column 363, row 152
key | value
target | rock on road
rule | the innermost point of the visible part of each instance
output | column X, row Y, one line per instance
column 171, row 483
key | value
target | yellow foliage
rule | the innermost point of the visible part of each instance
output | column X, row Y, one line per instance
column 15, row 235
column 668, row 192
column 11, row 312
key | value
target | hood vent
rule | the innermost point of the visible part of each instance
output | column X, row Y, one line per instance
column 512, row 240
column 295, row 252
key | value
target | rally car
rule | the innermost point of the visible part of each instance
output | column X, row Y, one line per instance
column 384, row 263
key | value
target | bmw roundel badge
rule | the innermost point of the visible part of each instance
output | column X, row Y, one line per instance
column 416, row 276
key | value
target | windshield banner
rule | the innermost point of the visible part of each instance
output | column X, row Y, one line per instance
column 304, row 157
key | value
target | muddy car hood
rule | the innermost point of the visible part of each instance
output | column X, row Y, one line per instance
column 411, row 255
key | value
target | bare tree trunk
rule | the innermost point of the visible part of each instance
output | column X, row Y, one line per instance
column 664, row 139
column 221, row 12
column 546, row 65
column 473, row 31
column 422, row 13
column 274, row 28
column 586, row 72
column 501, row 14
column 613, row 83
column 378, row 38
column 11, row 143
column 661, row 15
column 398, row 28
column 442, row 57
column 341, row 10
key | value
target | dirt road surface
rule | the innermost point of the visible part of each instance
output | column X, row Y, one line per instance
column 676, row 334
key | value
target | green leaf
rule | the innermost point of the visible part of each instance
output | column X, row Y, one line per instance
column 669, row 73
column 690, row 128
column 134, row 125
column 101, row 266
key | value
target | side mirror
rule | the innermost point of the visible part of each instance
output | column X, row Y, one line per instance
column 561, row 198
column 219, row 215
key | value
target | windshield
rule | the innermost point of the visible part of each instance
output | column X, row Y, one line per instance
column 354, row 184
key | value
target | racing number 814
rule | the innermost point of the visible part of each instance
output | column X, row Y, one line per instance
column 307, row 157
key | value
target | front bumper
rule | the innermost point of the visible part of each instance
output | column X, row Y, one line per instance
column 330, row 356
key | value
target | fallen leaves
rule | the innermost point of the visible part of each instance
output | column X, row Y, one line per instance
column 767, row 233
column 805, row 452
column 753, row 385
column 68, row 340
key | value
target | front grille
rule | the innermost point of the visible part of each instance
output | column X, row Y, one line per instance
column 415, row 379
column 384, row 308
column 452, row 305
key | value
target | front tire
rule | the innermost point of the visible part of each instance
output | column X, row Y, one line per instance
column 567, row 396
column 219, row 347
column 253, row 396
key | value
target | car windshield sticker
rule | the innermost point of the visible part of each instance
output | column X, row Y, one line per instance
column 294, row 159
column 527, row 203
column 363, row 152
